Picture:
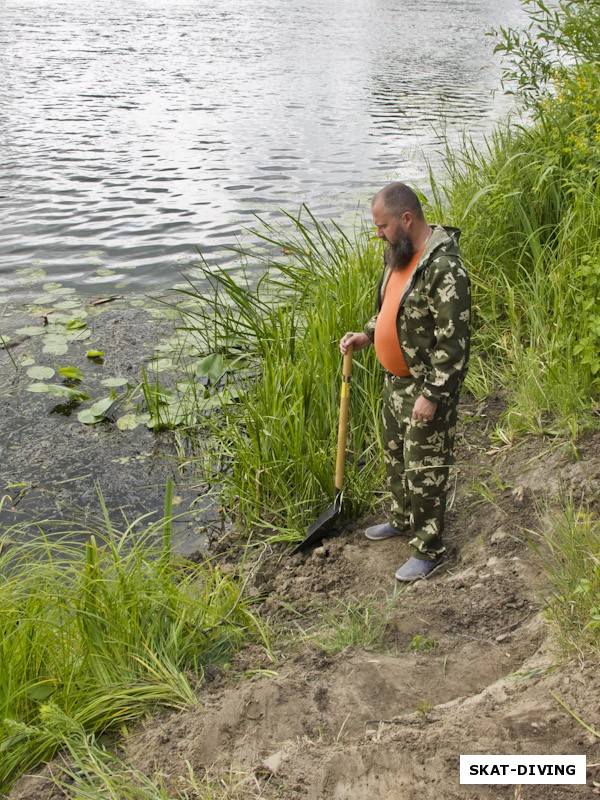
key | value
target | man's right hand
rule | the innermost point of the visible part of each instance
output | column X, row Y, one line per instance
column 357, row 341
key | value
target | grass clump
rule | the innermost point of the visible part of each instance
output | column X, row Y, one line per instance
column 94, row 635
column 90, row 772
column 356, row 622
column 418, row 643
column 274, row 450
column 572, row 566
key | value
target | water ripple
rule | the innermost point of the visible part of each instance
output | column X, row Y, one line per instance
column 139, row 132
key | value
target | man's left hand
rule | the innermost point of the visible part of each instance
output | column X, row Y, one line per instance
column 424, row 409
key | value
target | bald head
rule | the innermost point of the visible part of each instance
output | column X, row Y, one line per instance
column 397, row 198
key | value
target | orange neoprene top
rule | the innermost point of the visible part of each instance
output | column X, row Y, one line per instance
column 387, row 345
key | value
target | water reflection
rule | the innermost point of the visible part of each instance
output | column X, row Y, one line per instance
column 133, row 133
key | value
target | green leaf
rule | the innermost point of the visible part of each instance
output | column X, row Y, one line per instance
column 60, row 390
column 75, row 325
column 100, row 407
column 72, row 373
column 5, row 744
column 94, row 353
column 87, row 417
column 211, row 366
column 40, row 692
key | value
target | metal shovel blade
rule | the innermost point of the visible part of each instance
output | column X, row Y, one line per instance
column 321, row 526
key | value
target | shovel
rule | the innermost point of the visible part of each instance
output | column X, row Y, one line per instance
column 321, row 526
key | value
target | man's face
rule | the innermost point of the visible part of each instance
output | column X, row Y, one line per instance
column 395, row 231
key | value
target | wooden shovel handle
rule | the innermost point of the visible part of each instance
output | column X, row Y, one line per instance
column 343, row 423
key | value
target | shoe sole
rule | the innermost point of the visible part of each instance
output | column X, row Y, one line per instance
column 401, row 535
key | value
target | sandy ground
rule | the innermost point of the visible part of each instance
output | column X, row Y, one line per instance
column 465, row 662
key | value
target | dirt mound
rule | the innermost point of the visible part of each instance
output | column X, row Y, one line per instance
column 461, row 663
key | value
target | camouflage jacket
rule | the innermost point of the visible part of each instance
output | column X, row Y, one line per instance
column 434, row 316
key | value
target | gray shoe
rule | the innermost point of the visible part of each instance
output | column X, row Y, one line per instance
column 415, row 569
column 384, row 531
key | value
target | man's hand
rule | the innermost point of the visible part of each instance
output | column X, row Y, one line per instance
column 424, row 409
column 358, row 341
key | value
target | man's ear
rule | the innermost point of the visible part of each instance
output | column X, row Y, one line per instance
column 407, row 218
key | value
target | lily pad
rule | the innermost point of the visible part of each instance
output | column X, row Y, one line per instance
column 211, row 366
column 56, row 348
column 40, row 373
column 161, row 364
column 128, row 422
column 30, row 330
column 75, row 325
column 57, row 390
column 38, row 388
column 79, row 336
column 87, row 417
column 114, row 382
column 100, row 407
column 61, row 319
column 100, row 278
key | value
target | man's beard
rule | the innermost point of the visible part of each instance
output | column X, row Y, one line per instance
column 399, row 254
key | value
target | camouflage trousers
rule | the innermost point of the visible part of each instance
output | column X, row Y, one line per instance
column 417, row 456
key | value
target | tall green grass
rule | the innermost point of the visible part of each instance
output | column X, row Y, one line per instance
column 529, row 205
column 276, row 446
column 95, row 635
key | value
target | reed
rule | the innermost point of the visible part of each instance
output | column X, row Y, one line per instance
column 275, row 448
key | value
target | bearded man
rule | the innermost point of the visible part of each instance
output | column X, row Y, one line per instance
column 421, row 335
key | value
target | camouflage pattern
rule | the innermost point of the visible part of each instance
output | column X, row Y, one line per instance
column 433, row 325
column 434, row 317
column 417, row 458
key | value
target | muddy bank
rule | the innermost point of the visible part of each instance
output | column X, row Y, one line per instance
column 51, row 464
column 464, row 663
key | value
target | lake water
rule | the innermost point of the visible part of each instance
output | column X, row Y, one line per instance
column 133, row 133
